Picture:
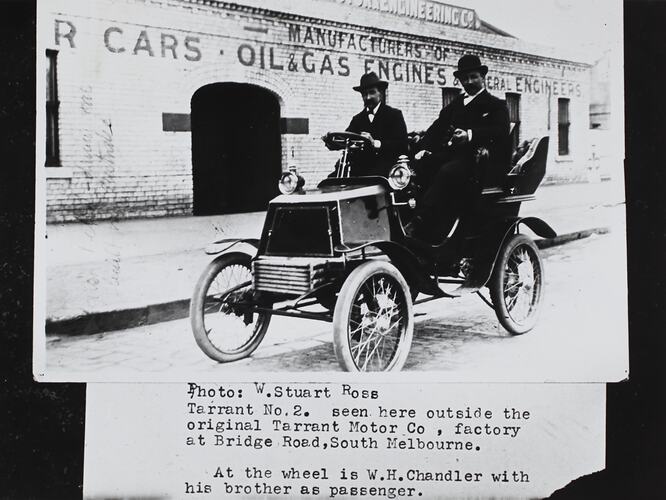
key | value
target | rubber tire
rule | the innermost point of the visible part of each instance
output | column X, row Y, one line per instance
column 496, row 285
column 197, row 316
column 342, row 313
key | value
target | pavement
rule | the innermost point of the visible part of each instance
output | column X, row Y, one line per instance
column 111, row 275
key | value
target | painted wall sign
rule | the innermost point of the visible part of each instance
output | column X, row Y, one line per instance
column 135, row 41
column 116, row 40
column 392, row 58
column 318, row 51
column 424, row 10
column 307, row 61
column 326, row 38
column 326, row 63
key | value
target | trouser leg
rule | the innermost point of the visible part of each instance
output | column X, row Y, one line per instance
column 445, row 191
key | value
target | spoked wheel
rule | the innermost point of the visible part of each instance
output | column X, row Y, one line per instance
column 517, row 284
column 373, row 320
column 223, row 328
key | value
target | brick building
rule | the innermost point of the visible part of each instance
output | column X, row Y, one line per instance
column 174, row 107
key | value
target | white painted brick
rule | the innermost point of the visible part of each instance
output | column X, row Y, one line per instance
column 111, row 108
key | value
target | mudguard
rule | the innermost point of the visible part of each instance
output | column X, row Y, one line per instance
column 537, row 225
column 512, row 225
column 247, row 245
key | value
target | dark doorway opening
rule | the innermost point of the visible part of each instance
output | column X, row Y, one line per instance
column 236, row 148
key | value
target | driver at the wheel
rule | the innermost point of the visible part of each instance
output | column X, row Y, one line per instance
column 383, row 125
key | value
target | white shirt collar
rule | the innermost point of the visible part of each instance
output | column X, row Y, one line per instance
column 468, row 98
column 374, row 111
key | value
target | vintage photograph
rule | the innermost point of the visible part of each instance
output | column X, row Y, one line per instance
column 313, row 188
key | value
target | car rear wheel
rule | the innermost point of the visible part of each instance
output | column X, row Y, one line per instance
column 222, row 327
column 516, row 286
column 373, row 321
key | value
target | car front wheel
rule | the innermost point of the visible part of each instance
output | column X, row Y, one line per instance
column 223, row 326
column 373, row 320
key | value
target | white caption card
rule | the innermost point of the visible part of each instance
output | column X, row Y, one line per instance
column 267, row 440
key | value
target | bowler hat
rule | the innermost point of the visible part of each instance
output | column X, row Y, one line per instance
column 470, row 62
column 371, row 80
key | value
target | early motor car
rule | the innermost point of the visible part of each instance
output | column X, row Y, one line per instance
column 340, row 253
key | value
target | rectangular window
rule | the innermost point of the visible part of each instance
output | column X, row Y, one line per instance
column 449, row 94
column 563, row 126
column 513, row 103
column 52, row 105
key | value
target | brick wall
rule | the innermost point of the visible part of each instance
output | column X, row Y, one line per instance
column 130, row 61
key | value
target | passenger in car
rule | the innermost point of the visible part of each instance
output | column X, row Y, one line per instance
column 383, row 125
column 470, row 133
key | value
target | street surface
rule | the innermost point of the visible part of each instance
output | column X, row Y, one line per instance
column 580, row 336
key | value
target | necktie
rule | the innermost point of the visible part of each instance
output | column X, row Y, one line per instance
column 371, row 115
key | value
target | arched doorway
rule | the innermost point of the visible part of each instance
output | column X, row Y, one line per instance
column 236, row 149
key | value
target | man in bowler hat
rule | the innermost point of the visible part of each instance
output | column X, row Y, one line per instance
column 383, row 125
column 450, row 152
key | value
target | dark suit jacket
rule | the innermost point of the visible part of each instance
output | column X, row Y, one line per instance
column 389, row 127
column 488, row 119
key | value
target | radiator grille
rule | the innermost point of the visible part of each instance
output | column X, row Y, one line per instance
column 286, row 277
